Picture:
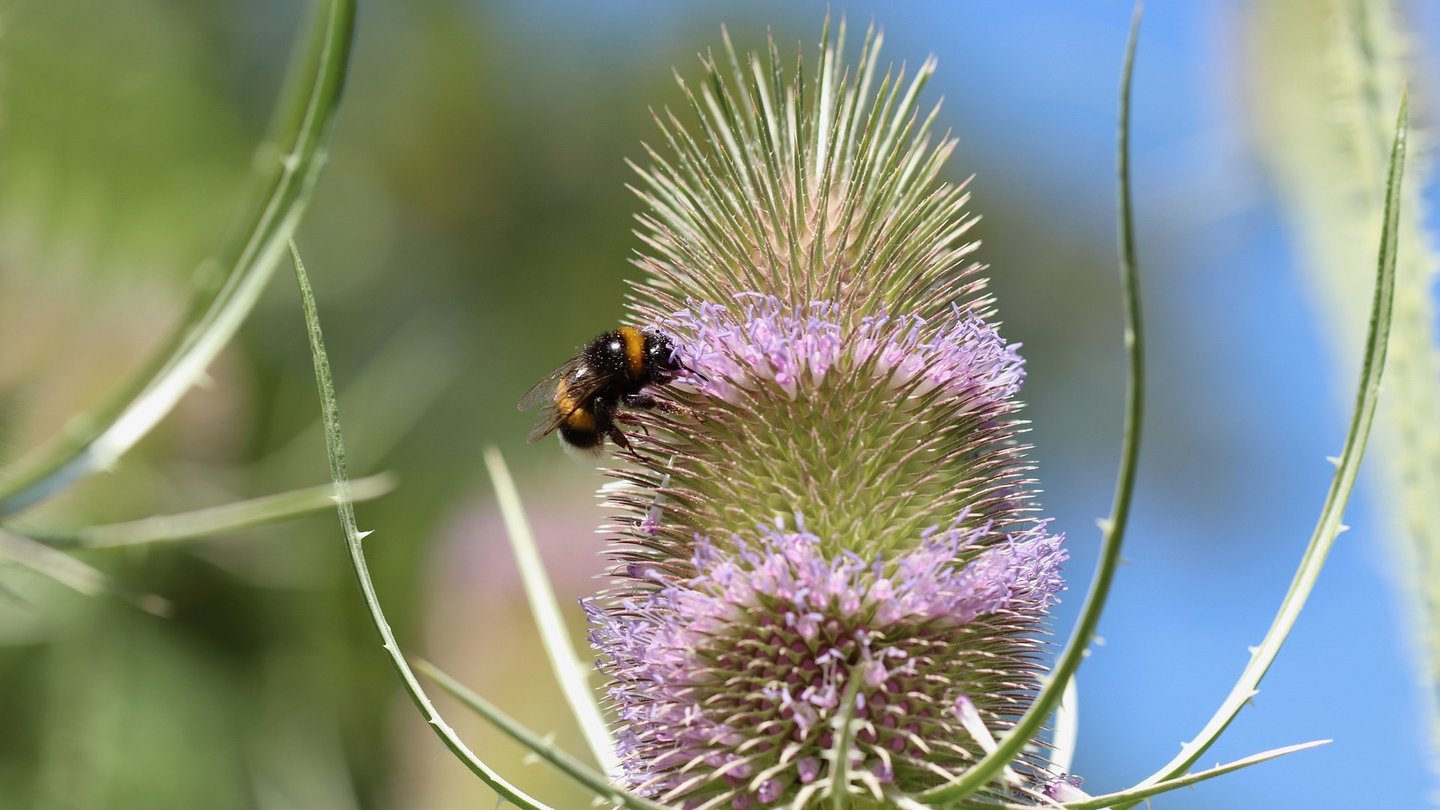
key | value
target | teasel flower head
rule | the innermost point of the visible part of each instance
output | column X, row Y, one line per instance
column 830, row 576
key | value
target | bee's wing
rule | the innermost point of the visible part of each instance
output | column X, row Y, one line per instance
column 580, row 386
column 543, row 392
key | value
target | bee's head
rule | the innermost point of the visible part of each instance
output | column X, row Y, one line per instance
column 660, row 356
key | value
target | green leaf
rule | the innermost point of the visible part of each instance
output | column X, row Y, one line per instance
column 215, row 520
column 1113, row 529
column 570, row 766
column 572, row 673
column 335, row 450
column 96, row 441
column 1328, row 527
column 74, row 574
column 1327, row 76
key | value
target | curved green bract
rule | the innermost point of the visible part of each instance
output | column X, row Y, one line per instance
column 1328, row 527
column 985, row 770
column 335, row 451
column 210, row 521
column 571, row 767
column 570, row 671
column 95, row 441
column 1141, row 792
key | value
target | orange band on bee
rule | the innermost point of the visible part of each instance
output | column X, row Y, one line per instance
column 634, row 350
column 580, row 419
column 575, row 417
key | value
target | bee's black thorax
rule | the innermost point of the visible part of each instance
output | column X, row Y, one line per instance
column 607, row 357
column 629, row 359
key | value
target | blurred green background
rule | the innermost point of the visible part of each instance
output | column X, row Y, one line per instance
column 471, row 230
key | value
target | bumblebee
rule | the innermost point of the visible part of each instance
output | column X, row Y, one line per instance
column 585, row 393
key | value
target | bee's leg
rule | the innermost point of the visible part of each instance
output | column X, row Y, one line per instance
column 640, row 401
column 605, row 415
column 643, row 402
column 631, row 420
column 618, row 436
column 647, row 402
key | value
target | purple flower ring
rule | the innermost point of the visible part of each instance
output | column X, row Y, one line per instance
column 731, row 685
